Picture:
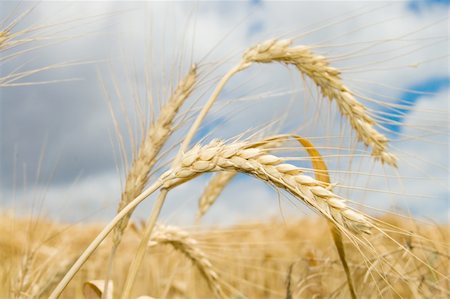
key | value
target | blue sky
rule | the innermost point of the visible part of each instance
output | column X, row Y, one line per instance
column 409, row 98
column 420, row 5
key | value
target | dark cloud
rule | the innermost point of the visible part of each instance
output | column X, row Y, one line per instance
column 69, row 118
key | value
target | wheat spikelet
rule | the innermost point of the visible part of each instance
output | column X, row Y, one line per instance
column 221, row 180
column 329, row 81
column 156, row 137
column 244, row 157
column 181, row 241
column 212, row 191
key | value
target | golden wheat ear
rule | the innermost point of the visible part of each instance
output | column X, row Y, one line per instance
column 330, row 83
column 245, row 158
column 157, row 135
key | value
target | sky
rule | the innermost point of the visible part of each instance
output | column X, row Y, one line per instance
column 58, row 146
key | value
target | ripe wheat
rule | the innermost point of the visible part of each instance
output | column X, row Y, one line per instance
column 156, row 137
column 329, row 81
column 181, row 241
column 242, row 157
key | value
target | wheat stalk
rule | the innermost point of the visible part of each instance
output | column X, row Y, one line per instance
column 181, row 241
column 329, row 81
column 156, row 137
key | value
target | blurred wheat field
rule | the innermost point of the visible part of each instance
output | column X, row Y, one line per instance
column 153, row 150
column 261, row 260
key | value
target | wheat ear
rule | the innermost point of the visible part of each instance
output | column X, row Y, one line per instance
column 329, row 81
column 244, row 157
column 156, row 137
column 181, row 241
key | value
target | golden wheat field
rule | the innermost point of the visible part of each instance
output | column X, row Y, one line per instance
column 259, row 149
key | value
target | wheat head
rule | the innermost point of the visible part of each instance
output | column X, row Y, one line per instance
column 244, row 157
column 329, row 81
column 156, row 137
column 182, row 242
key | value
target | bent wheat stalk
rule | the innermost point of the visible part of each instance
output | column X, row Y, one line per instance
column 198, row 121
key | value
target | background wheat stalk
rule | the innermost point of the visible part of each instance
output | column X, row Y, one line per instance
column 156, row 137
column 4, row 36
column 212, row 191
column 181, row 241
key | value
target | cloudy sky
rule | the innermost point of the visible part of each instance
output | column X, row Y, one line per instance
column 58, row 150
